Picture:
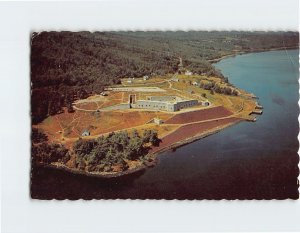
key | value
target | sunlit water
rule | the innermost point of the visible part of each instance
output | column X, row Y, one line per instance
column 249, row 160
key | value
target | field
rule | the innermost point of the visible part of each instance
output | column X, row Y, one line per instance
column 188, row 131
column 69, row 126
column 199, row 115
column 90, row 113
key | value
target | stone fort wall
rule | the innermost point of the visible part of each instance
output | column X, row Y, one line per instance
column 154, row 105
column 164, row 98
column 164, row 106
column 185, row 104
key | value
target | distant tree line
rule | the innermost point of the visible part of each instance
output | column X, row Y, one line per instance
column 215, row 87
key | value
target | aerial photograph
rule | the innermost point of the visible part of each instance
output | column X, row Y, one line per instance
column 164, row 115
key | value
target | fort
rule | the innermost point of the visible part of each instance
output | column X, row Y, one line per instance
column 164, row 103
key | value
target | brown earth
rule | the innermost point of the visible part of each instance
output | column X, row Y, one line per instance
column 89, row 106
column 191, row 130
column 66, row 126
column 200, row 115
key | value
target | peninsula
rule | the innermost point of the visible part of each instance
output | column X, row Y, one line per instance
column 105, row 108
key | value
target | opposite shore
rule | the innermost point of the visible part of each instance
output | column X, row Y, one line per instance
column 215, row 60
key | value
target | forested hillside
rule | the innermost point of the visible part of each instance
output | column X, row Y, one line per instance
column 70, row 65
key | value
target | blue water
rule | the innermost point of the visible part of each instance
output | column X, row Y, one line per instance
column 246, row 161
column 273, row 77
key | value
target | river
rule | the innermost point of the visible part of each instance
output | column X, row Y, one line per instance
column 246, row 161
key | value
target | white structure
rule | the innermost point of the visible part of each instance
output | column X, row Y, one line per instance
column 164, row 103
column 158, row 121
column 85, row 133
column 146, row 77
column 188, row 72
column 205, row 103
column 195, row 83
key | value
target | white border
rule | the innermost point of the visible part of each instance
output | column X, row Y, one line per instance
column 21, row 214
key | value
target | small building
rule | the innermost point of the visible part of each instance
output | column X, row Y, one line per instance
column 195, row 83
column 103, row 93
column 205, row 103
column 85, row 133
column 146, row 77
column 188, row 73
column 158, row 121
column 129, row 81
column 175, row 79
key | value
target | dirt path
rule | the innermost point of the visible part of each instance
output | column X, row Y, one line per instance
column 61, row 127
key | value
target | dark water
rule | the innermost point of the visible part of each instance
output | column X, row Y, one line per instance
column 247, row 161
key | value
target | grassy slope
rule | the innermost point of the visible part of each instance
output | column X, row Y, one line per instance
column 70, row 65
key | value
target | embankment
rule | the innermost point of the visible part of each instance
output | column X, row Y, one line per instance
column 186, row 132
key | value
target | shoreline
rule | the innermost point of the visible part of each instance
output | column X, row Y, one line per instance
column 75, row 171
column 154, row 156
column 215, row 60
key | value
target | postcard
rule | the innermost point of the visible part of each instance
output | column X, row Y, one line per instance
column 164, row 115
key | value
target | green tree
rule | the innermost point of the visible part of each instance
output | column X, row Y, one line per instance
column 146, row 136
column 38, row 136
column 154, row 140
column 48, row 153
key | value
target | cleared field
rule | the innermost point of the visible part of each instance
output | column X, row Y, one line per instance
column 71, row 125
column 89, row 105
column 200, row 115
column 110, row 103
column 188, row 131
column 98, row 102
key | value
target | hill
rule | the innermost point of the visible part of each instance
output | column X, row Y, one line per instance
column 72, row 65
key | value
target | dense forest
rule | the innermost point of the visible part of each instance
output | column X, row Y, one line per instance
column 45, row 153
column 103, row 154
column 106, row 152
column 70, row 65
